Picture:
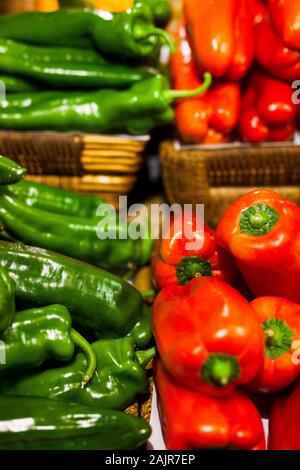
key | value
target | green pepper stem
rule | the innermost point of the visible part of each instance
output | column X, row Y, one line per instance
column 83, row 344
column 191, row 267
column 148, row 293
column 144, row 357
column 140, row 33
column 220, row 370
column 181, row 94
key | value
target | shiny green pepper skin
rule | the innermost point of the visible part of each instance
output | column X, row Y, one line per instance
column 44, row 424
column 118, row 380
column 14, row 84
column 10, row 172
column 99, row 302
column 138, row 110
column 56, row 200
column 67, row 68
column 37, row 335
column 161, row 10
column 72, row 236
column 127, row 35
column 7, row 300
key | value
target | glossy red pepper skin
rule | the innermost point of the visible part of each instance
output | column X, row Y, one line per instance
column 221, row 33
column 202, row 326
column 283, row 62
column 284, row 426
column 280, row 320
column 173, row 262
column 267, row 110
column 261, row 230
column 210, row 117
column 194, row 421
column 285, row 15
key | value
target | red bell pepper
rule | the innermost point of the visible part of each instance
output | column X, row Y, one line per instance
column 270, row 52
column 261, row 229
column 207, row 119
column 285, row 15
column 194, row 421
column 280, row 320
column 174, row 262
column 284, row 426
column 222, row 37
column 208, row 336
column 267, row 110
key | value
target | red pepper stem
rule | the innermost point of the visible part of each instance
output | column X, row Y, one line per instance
column 258, row 219
column 191, row 267
column 220, row 369
column 182, row 94
column 144, row 357
column 278, row 337
column 83, row 344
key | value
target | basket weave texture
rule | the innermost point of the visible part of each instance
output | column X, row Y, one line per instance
column 217, row 176
column 99, row 164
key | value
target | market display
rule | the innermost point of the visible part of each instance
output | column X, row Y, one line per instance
column 200, row 320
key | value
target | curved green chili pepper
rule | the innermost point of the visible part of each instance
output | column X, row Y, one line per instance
column 10, row 172
column 44, row 424
column 40, row 334
column 56, row 200
column 130, row 34
column 7, row 300
column 72, row 236
column 138, row 110
column 99, row 302
column 118, row 380
column 43, row 66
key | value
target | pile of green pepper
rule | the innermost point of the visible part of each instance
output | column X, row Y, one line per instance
column 87, row 70
column 52, row 374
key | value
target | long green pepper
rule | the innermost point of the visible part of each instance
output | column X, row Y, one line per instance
column 73, row 236
column 145, row 105
column 67, row 67
column 119, row 377
column 44, row 424
column 40, row 334
column 55, row 200
column 100, row 302
column 128, row 35
column 7, row 300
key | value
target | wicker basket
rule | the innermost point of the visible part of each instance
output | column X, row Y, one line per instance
column 106, row 165
column 216, row 176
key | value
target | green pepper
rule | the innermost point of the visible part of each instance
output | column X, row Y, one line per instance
column 7, row 300
column 40, row 334
column 44, row 424
column 118, row 380
column 99, row 302
column 56, row 200
column 160, row 9
column 73, row 236
column 69, row 70
column 14, row 84
column 138, row 110
column 127, row 35
column 10, row 172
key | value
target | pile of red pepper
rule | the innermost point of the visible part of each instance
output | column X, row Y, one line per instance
column 252, row 49
column 227, row 327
